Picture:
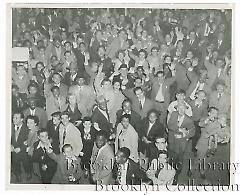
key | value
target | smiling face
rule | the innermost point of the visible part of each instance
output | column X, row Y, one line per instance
column 127, row 107
column 125, row 123
column 65, row 120
column 17, row 120
column 43, row 137
column 152, row 117
column 31, row 124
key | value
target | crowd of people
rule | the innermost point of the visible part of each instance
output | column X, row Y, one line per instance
column 104, row 88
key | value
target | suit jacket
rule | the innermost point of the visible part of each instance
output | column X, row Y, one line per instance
column 63, row 172
column 223, row 103
column 85, row 98
column 181, row 77
column 19, row 103
column 130, row 83
column 40, row 113
column 80, row 60
column 135, row 119
column 194, row 81
column 68, row 80
column 212, row 72
column 134, row 174
column 165, row 89
column 102, row 164
column 22, row 137
column 52, row 105
column 103, row 123
column 224, row 46
column 148, row 105
column 54, row 136
column 156, row 130
column 176, row 144
column 187, row 45
column 73, row 137
column 41, row 157
column 88, row 143
column 74, row 115
column 127, row 138
column 63, row 89
column 198, row 112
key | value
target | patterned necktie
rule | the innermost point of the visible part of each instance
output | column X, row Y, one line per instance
column 64, row 135
column 119, row 174
column 17, row 133
column 140, row 105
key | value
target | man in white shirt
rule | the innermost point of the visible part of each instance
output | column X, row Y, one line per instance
column 180, row 95
column 69, row 134
column 126, row 136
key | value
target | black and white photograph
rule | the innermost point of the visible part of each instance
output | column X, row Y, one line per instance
column 120, row 95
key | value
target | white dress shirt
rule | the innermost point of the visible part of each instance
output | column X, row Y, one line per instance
column 159, row 96
column 198, row 87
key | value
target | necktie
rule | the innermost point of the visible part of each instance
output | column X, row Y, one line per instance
column 119, row 174
column 64, row 135
column 119, row 138
column 16, row 133
column 140, row 105
column 219, row 96
column 160, row 167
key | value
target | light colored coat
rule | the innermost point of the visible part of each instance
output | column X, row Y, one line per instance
column 85, row 98
column 73, row 137
column 127, row 138
column 102, row 162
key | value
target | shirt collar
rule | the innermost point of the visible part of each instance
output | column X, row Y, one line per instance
column 41, row 145
column 19, row 127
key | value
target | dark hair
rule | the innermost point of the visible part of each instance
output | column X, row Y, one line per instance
column 66, row 146
column 42, row 131
column 144, row 51
column 136, row 78
column 101, row 133
column 56, row 114
column 162, row 152
column 125, row 116
column 127, row 100
column 166, row 56
column 66, row 52
column 105, row 80
column 180, row 91
column 153, row 111
column 15, row 87
column 67, row 42
column 20, row 113
column 55, row 88
column 125, row 151
column 65, row 113
column 160, row 72
column 40, row 63
column 212, row 108
column 35, row 118
column 32, row 85
column 86, row 118
column 82, row 43
column 136, row 89
column 154, row 48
